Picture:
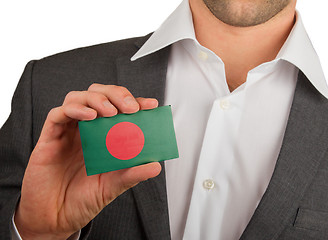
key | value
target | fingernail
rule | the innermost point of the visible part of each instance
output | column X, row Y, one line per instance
column 86, row 109
column 91, row 112
column 107, row 104
column 130, row 101
column 153, row 102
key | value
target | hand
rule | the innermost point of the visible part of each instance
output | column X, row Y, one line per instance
column 57, row 197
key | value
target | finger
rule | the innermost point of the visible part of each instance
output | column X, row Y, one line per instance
column 119, row 96
column 73, row 111
column 96, row 101
column 147, row 103
column 53, row 126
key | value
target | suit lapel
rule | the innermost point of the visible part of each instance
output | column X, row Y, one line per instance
column 146, row 77
column 303, row 148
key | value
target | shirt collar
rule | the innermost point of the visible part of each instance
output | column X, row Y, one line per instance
column 297, row 49
column 176, row 27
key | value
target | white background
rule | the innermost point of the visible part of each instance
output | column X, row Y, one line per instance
column 37, row 28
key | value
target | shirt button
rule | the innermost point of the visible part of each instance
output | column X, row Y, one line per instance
column 224, row 104
column 208, row 184
column 203, row 55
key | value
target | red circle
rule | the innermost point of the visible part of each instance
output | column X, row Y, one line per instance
column 125, row 140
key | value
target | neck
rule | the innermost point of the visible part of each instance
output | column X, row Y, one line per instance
column 241, row 48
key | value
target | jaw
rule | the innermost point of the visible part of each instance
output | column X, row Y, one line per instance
column 241, row 13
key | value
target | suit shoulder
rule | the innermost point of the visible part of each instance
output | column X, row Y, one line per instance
column 95, row 54
column 54, row 76
column 85, row 64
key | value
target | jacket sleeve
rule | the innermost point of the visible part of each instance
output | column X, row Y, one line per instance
column 16, row 145
column 15, row 149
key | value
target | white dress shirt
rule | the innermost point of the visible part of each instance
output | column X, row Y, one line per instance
column 228, row 141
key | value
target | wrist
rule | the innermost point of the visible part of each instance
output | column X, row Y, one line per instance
column 25, row 233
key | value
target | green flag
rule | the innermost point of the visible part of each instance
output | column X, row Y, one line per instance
column 128, row 140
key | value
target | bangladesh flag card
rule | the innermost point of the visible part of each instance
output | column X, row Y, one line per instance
column 128, row 140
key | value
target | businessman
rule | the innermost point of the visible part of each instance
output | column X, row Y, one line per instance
column 250, row 109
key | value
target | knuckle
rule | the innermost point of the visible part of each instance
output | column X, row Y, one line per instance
column 53, row 112
column 93, row 96
column 121, row 90
column 93, row 86
column 70, row 96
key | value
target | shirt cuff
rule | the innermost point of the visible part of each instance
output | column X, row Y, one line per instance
column 16, row 236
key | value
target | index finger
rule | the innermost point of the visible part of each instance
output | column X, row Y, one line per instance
column 119, row 96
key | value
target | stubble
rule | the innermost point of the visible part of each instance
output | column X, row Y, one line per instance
column 245, row 13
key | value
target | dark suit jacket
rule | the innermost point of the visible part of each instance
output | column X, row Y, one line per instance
column 294, row 206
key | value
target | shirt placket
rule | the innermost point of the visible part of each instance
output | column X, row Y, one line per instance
column 217, row 155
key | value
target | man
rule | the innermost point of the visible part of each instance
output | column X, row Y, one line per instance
column 250, row 111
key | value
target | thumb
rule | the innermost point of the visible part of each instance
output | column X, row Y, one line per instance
column 137, row 174
column 121, row 180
